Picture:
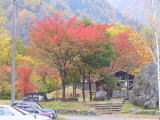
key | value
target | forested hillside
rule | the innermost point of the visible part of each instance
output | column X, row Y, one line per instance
column 27, row 10
column 140, row 10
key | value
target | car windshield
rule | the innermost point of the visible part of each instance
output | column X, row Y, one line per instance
column 10, row 111
column 38, row 106
column 22, row 111
column 5, row 112
column 30, row 109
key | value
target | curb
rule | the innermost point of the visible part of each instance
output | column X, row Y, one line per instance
column 92, row 112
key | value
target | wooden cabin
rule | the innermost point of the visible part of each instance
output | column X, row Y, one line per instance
column 125, row 83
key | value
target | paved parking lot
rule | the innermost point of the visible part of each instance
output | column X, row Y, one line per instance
column 68, row 117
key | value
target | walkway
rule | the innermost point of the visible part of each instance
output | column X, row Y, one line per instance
column 69, row 117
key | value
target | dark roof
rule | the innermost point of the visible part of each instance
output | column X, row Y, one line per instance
column 36, row 93
column 123, row 75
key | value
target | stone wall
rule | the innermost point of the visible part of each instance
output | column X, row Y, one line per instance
column 148, row 112
column 92, row 112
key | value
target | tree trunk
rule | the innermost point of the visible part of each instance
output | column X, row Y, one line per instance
column 158, row 66
column 83, row 88
column 90, row 88
column 157, row 47
column 127, row 86
column 63, row 79
column 2, row 91
column 108, row 94
column 74, row 89
column 63, row 90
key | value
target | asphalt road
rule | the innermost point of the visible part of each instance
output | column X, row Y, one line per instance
column 69, row 117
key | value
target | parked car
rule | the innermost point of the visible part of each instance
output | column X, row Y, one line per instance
column 36, row 105
column 33, row 110
column 38, row 96
column 11, row 113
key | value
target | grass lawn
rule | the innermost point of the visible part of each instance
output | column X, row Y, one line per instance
column 58, row 105
column 5, row 102
column 85, row 106
column 69, row 91
column 60, row 119
column 128, row 105
column 66, row 105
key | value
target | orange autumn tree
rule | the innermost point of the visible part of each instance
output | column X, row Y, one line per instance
column 60, row 42
column 124, row 51
column 24, row 84
column 48, row 78
column 141, row 44
column 130, row 48
column 125, row 56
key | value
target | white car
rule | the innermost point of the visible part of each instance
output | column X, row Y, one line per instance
column 10, row 113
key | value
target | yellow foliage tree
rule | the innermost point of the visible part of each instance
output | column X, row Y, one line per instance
column 5, row 56
column 117, row 29
column 139, row 41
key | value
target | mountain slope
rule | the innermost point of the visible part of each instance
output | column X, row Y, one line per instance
column 140, row 10
column 27, row 10
column 97, row 10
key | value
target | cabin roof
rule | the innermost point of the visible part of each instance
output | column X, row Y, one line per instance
column 123, row 75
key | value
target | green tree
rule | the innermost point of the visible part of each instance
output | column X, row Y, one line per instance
column 97, row 60
column 74, row 78
column 47, row 77
column 110, row 82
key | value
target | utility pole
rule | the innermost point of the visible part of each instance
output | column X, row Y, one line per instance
column 157, row 47
column 13, row 53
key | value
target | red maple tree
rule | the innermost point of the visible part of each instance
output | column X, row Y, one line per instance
column 125, row 55
column 43, row 71
column 60, row 41
column 23, row 84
